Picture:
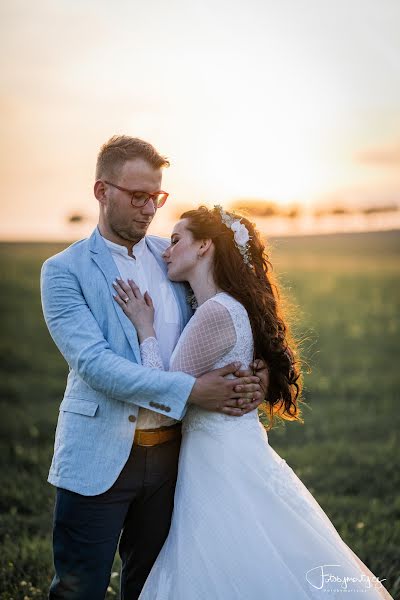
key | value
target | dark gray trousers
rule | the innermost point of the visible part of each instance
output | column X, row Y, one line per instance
column 87, row 528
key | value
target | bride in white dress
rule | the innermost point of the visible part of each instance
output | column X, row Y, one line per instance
column 244, row 526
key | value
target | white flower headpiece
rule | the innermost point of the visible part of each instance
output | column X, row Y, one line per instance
column 241, row 234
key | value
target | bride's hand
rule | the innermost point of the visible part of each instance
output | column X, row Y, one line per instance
column 138, row 308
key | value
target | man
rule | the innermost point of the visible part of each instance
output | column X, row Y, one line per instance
column 117, row 440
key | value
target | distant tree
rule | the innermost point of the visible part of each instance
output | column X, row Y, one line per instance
column 333, row 210
column 256, row 208
column 293, row 212
column 339, row 210
column 75, row 218
column 380, row 209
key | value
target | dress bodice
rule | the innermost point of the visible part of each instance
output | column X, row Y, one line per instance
column 242, row 351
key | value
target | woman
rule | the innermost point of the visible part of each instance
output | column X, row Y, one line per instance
column 244, row 526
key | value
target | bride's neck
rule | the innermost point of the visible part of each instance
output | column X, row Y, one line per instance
column 203, row 286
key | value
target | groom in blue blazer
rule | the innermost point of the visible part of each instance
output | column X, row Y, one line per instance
column 108, row 480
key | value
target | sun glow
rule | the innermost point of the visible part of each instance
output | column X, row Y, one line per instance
column 260, row 100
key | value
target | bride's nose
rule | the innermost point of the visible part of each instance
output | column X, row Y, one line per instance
column 165, row 254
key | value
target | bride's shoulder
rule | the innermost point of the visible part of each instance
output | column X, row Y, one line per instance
column 215, row 317
column 223, row 307
column 228, row 301
column 215, row 308
column 221, row 304
column 215, row 304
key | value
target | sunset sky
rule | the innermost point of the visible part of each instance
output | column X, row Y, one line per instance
column 290, row 101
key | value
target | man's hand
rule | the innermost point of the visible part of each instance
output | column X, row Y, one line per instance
column 260, row 369
column 214, row 392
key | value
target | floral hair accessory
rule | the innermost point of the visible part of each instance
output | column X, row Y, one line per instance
column 240, row 234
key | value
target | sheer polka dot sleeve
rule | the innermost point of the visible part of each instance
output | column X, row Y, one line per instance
column 209, row 335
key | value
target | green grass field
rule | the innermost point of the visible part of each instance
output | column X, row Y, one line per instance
column 346, row 299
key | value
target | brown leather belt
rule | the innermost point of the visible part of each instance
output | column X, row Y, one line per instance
column 154, row 437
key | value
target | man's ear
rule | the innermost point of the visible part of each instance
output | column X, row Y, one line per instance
column 100, row 191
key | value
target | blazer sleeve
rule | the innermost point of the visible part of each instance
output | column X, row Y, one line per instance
column 79, row 338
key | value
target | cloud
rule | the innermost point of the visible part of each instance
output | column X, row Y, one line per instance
column 385, row 156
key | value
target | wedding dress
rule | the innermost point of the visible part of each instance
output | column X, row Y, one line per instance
column 244, row 526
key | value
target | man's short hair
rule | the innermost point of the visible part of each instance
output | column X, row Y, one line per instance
column 120, row 148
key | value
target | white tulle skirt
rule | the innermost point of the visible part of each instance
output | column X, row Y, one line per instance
column 245, row 527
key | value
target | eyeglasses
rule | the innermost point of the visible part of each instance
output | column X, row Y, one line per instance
column 140, row 199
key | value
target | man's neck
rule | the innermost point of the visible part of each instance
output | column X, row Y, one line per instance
column 116, row 239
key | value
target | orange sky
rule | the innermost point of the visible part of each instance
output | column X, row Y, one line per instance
column 288, row 101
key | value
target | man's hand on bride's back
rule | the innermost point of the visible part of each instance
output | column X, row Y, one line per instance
column 213, row 391
column 138, row 308
column 260, row 369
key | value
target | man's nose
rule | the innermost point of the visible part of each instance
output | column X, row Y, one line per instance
column 149, row 208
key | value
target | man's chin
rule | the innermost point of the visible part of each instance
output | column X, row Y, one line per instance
column 132, row 235
column 136, row 234
column 139, row 231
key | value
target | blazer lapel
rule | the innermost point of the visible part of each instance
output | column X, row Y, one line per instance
column 104, row 260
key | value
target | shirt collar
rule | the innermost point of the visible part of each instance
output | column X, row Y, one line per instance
column 137, row 249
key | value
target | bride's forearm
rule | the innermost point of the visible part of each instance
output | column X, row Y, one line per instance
column 145, row 332
column 150, row 353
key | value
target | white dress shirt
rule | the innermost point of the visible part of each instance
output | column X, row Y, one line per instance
column 148, row 276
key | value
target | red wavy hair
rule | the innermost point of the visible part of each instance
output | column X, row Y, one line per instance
column 255, row 287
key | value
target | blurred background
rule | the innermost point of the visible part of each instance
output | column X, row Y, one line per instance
column 291, row 105
column 290, row 110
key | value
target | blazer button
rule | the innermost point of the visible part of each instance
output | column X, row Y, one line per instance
column 132, row 418
column 167, row 409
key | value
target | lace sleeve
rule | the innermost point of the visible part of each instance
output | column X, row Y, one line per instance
column 209, row 336
column 150, row 353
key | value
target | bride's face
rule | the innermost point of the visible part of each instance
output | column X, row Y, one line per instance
column 182, row 255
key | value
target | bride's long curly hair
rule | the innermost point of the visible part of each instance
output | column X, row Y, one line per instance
column 256, row 288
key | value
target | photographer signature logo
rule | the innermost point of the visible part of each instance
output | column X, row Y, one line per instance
column 324, row 576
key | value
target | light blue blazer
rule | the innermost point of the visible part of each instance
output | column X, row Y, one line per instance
column 106, row 383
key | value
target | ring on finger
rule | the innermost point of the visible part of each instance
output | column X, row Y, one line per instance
column 126, row 300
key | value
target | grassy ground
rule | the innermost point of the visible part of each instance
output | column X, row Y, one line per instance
column 346, row 295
